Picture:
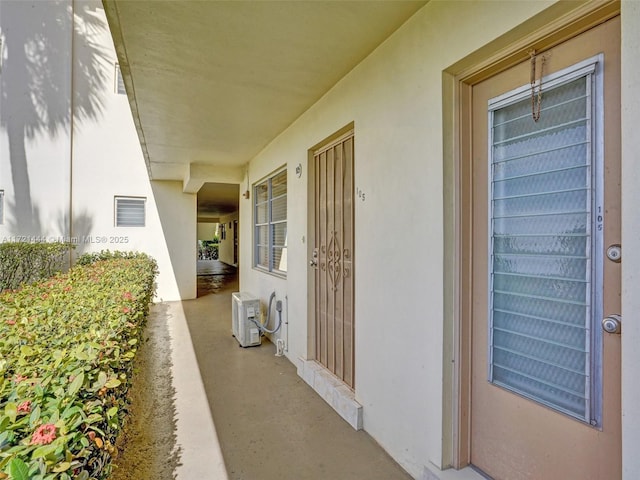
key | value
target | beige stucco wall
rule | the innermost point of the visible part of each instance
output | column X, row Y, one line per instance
column 630, row 239
column 76, row 168
column 206, row 231
column 177, row 236
column 395, row 100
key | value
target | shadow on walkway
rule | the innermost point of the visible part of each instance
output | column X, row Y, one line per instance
column 212, row 274
column 270, row 424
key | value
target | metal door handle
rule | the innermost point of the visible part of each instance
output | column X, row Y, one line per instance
column 612, row 323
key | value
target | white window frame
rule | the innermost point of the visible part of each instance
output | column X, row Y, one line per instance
column 116, row 201
column 1, row 207
column 271, row 268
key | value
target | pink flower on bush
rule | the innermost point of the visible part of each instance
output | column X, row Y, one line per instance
column 25, row 407
column 126, row 310
column 127, row 296
column 10, row 322
column 19, row 378
column 44, row 434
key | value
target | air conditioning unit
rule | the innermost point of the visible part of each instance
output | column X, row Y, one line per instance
column 245, row 311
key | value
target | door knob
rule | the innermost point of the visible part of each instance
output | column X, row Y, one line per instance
column 313, row 263
column 612, row 323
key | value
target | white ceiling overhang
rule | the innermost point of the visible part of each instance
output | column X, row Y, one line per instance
column 211, row 83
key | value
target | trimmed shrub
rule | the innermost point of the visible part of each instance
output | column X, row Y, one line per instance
column 24, row 262
column 89, row 258
column 66, row 351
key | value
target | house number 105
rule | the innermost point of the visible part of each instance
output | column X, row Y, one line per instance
column 360, row 194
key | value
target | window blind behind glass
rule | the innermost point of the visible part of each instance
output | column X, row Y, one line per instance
column 278, row 218
column 541, row 259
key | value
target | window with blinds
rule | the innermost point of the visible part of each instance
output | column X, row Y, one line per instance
column 130, row 211
column 545, row 233
column 270, row 223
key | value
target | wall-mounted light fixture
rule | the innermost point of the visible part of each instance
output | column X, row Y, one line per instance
column 299, row 170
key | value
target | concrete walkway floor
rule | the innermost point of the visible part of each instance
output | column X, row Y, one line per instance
column 267, row 422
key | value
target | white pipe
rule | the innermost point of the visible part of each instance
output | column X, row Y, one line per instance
column 263, row 327
column 286, row 321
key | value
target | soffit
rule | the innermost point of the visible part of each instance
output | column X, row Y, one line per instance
column 213, row 82
column 216, row 200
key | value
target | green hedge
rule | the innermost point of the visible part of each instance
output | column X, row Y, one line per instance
column 66, row 346
column 89, row 258
column 23, row 262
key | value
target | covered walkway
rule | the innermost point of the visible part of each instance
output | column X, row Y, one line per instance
column 267, row 422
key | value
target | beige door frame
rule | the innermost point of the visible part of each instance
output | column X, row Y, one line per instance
column 551, row 27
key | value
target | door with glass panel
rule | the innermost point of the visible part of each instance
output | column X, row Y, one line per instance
column 544, row 208
column 333, row 258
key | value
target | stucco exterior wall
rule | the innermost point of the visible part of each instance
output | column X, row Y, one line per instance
column 206, row 231
column 395, row 100
column 176, row 236
column 34, row 133
column 81, row 150
column 630, row 239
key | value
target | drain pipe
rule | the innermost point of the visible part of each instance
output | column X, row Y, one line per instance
column 72, row 127
column 282, row 345
column 263, row 327
column 286, row 322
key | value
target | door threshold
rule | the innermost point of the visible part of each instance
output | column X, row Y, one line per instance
column 467, row 473
column 332, row 390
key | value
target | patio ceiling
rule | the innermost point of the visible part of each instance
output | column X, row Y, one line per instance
column 211, row 83
column 216, row 200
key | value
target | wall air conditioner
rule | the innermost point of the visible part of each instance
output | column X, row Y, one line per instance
column 245, row 309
